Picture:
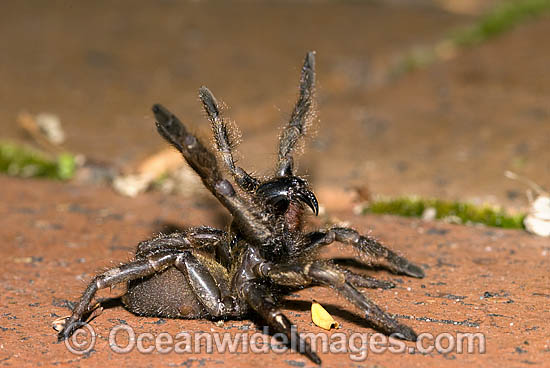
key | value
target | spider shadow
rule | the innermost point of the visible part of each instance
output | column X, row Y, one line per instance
column 102, row 304
column 355, row 263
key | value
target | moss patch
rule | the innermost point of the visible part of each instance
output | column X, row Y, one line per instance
column 460, row 212
column 23, row 161
column 503, row 17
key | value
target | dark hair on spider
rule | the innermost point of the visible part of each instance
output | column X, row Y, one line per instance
column 204, row 272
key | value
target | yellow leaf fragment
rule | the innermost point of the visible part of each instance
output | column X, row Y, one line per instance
column 321, row 317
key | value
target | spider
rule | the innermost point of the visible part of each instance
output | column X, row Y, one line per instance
column 204, row 272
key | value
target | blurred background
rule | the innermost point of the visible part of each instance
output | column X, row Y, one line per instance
column 436, row 98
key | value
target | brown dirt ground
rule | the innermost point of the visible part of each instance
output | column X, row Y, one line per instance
column 447, row 131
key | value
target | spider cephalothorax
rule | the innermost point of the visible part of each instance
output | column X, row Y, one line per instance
column 208, row 273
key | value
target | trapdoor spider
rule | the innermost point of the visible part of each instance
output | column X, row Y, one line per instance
column 208, row 273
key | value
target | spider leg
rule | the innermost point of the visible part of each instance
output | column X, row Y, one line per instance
column 368, row 247
column 213, row 295
column 298, row 120
column 197, row 156
column 202, row 238
column 218, row 239
column 366, row 281
column 261, row 300
column 117, row 275
column 246, row 213
column 318, row 272
column 224, row 143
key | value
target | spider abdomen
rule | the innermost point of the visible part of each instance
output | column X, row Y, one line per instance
column 165, row 294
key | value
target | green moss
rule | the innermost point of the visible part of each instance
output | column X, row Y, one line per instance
column 456, row 211
column 503, row 17
column 22, row 161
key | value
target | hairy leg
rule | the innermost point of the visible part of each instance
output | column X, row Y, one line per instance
column 246, row 213
column 366, row 281
column 197, row 156
column 207, row 280
column 202, row 238
column 212, row 292
column 117, row 275
column 224, row 142
column 319, row 272
column 298, row 120
column 261, row 300
column 369, row 248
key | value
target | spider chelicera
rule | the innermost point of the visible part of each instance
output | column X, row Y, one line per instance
column 204, row 272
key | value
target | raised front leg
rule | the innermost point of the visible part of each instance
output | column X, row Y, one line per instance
column 246, row 212
column 224, row 142
column 196, row 154
column 297, row 125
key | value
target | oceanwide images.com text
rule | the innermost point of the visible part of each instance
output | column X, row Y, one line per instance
column 123, row 339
